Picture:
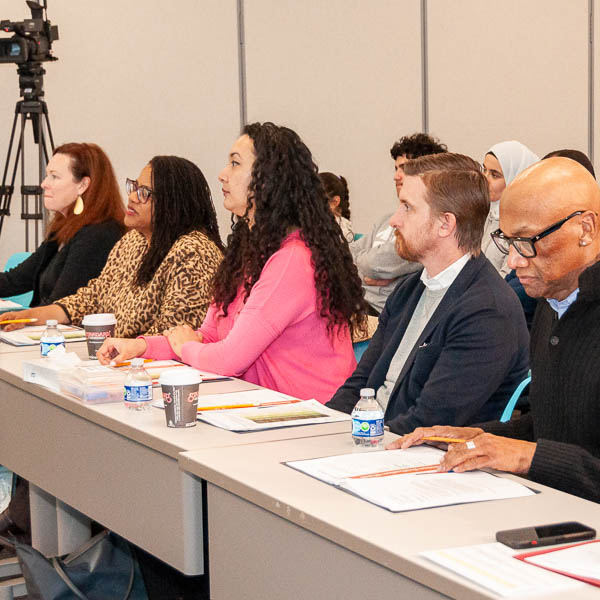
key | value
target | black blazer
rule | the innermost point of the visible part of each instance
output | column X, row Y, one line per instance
column 52, row 273
column 465, row 365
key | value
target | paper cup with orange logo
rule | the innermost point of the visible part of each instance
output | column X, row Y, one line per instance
column 180, row 394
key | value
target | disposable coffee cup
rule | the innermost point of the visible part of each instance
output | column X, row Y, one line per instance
column 97, row 329
column 180, row 395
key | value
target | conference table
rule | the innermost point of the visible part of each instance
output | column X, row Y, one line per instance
column 274, row 532
column 271, row 531
column 115, row 466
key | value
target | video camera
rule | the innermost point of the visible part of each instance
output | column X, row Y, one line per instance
column 30, row 45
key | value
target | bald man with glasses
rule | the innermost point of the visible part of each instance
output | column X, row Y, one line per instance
column 550, row 229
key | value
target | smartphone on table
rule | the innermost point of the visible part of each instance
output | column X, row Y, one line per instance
column 546, row 535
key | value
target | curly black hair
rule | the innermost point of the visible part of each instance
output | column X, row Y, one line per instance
column 418, row 144
column 336, row 185
column 287, row 194
column 181, row 203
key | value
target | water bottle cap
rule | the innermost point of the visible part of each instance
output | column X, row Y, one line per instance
column 51, row 323
column 137, row 362
column 367, row 392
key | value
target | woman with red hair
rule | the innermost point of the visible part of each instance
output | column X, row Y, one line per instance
column 81, row 190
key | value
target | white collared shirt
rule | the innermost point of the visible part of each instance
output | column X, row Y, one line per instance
column 445, row 278
column 430, row 299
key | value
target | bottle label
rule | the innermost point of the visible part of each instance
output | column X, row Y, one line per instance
column 45, row 347
column 367, row 427
column 137, row 393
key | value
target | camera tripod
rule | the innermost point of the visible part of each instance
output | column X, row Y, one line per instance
column 35, row 110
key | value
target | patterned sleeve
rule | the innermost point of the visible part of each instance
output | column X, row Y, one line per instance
column 189, row 269
column 87, row 300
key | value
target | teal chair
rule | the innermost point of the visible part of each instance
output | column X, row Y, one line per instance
column 357, row 236
column 359, row 349
column 15, row 259
column 510, row 406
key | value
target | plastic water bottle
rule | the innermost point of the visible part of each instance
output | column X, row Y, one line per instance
column 138, row 386
column 51, row 338
column 367, row 420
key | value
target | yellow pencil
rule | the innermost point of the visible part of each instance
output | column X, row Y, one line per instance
column 225, row 407
column 433, row 438
column 17, row 321
column 128, row 363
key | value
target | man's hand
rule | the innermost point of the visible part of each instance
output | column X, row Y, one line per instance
column 179, row 335
column 487, row 450
column 378, row 282
column 116, row 350
column 416, row 437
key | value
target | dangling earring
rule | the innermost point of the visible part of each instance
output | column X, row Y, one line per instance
column 78, row 208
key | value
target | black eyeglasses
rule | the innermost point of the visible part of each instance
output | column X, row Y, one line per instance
column 525, row 246
column 143, row 191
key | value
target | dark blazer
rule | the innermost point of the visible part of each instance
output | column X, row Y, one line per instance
column 54, row 273
column 465, row 365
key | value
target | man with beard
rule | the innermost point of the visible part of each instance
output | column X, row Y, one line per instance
column 550, row 229
column 452, row 342
column 379, row 267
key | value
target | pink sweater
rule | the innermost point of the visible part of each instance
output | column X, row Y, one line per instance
column 277, row 338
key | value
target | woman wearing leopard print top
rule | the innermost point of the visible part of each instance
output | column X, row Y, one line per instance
column 160, row 273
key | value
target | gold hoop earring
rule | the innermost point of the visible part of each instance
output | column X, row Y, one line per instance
column 78, row 208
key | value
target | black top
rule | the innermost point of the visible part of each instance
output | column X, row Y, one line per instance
column 52, row 273
column 564, row 394
column 466, row 363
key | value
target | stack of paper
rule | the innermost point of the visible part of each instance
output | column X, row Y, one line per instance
column 156, row 367
column 30, row 336
column 255, row 410
column 6, row 305
column 580, row 561
column 494, row 567
column 401, row 480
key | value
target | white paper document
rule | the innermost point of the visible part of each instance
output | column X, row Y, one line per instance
column 242, row 399
column 268, row 415
column 30, row 336
column 154, row 368
column 6, row 305
column 401, row 480
column 493, row 567
column 582, row 560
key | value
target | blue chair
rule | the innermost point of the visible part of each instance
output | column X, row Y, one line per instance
column 359, row 349
column 357, row 236
column 15, row 259
column 510, row 406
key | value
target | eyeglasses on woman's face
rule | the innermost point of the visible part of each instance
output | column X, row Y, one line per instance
column 143, row 191
column 525, row 246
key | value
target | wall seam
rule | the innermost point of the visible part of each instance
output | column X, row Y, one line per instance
column 591, row 80
column 242, row 64
column 425, row 69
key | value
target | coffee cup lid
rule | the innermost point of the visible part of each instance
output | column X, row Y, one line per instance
column 99, row 319
column 180, row 376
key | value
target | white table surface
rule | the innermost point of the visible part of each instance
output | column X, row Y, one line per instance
column 117, row 466
column 254, row 486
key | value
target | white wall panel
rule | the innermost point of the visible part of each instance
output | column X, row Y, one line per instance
column 345, row 74
column 509, row 69
column 140, row 79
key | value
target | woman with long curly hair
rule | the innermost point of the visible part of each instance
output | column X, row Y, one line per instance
column 287, row 295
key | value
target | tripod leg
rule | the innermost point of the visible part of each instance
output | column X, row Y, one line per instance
column 7, row 192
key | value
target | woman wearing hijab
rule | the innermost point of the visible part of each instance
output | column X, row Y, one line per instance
column 502, row 163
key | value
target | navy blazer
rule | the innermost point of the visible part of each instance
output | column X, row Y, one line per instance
column 466, row 363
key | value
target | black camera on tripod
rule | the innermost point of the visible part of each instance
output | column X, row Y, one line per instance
column 28, row 48
column 30, row 45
